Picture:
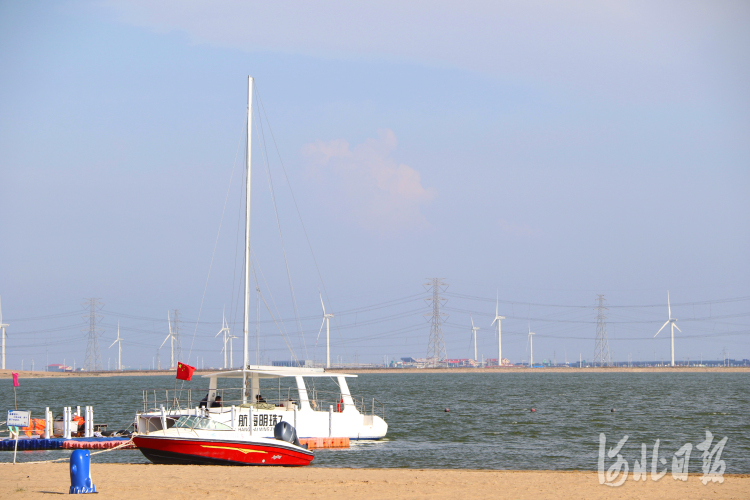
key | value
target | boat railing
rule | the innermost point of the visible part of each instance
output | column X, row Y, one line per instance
column 377, row 405
column 182, row 399
column 324, row 400
column 170, row 399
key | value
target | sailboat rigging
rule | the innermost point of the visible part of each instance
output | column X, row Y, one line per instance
column 238, row 425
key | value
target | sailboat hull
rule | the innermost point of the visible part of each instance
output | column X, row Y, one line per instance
column 170, row 450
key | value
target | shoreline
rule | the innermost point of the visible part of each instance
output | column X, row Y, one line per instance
column 493, row 370
column 127, row 481
column 522, row 369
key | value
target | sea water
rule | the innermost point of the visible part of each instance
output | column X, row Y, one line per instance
column 489, row 424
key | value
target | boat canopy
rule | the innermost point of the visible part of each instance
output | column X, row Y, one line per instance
column 276, row 372
column 254, row 373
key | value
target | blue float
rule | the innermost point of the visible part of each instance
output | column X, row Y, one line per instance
column 80, row 472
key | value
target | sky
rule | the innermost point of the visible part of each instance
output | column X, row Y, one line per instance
column 533, row 155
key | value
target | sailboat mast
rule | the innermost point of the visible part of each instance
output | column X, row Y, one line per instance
column 247, row 233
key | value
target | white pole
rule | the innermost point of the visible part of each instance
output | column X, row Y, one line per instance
column 475, row 345
column 47, row 423
column 163, row 418
column 171, row 345
column 248, row 191
column 330, row 421
column 171, row 341
column 673, row 343
column 499, row 342
column 15, row 448
column 2, row 332
column 66, row 422
column 328, row 343
column 499, row 318
column 531, row 350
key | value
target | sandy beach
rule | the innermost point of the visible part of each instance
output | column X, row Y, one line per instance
column 119, row 481
column 493, row 369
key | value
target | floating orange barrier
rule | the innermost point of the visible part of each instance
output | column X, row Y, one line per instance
column 331, row 442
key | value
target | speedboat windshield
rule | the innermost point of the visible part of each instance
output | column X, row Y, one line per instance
column 187, row 422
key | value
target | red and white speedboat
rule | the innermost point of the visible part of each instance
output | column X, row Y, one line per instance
column 204, row 441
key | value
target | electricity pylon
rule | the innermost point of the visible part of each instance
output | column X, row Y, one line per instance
column 601, row 350
column 436, row 347
column 93, row 361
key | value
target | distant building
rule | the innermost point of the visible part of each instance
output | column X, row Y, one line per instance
column 493, row 362
column 56, row 367
column 414, row 362
column 461, row 363
column 305, row 363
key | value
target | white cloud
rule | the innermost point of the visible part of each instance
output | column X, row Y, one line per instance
column 365, row 185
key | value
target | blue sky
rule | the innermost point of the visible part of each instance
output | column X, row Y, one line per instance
column 541, row 151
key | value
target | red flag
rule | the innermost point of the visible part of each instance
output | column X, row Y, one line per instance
column 15, row 380
column 184, row 372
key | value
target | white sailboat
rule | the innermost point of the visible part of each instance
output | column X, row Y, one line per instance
column 312, row 412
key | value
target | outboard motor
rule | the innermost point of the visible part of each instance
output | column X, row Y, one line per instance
column 284, row 431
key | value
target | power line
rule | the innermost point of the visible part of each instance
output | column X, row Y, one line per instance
column 703, row 302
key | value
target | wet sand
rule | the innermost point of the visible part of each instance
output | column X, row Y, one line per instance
column 121, row 481
column 492, row 369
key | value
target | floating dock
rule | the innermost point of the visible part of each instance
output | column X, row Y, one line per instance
column 65, row 444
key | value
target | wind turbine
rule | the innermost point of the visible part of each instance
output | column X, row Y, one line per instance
column 231, row 352
column 474, row 333
column 327, row 322
column 2, row 327
column 170, row 337
column 499, row 337
column 118, row 341
column 225, row 331
column 670, row 322
column 531, row 348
